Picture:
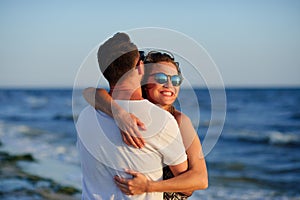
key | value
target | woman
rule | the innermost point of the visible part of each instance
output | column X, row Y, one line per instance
column 162, row 81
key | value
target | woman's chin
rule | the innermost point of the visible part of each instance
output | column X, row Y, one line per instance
column 167, row 101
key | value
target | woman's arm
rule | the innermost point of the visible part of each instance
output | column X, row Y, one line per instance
column 193, row 179
column 127, row 122
column 101, row 100
column 196, row 177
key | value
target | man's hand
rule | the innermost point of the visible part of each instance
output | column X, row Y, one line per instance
column 139, row 184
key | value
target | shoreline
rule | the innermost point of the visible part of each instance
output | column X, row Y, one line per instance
column 19, row 184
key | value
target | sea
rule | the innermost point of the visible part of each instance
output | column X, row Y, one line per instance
column 256, row 156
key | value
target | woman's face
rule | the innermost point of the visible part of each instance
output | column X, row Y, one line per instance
column 163, row 94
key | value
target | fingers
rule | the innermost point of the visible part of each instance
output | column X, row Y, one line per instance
column 140, row 124
column 121, row 180
column 138, row 141
column 135, row 132
column 132, row 140
column 132, row 172
column 122, row 184
column 139, row 137
column 129, row 125
column 129, row 140
column 138, row 184
column 125, row 138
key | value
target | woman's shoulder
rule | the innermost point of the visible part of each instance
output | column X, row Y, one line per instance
column 181, row 117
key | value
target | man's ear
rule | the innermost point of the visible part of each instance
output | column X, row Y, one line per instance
column 140, row 67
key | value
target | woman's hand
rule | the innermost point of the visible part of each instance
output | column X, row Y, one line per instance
column 139, row 184
column 129, row 125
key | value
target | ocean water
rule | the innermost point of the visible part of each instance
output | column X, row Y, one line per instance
column 257, row 155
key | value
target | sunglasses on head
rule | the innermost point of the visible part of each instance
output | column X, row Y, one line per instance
column 142, row 55
column 158, row 56
column 154, row 55
column 162, row 78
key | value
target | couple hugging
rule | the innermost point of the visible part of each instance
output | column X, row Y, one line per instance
column 132, row 142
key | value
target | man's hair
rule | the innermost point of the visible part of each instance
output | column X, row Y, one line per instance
column 116, row 57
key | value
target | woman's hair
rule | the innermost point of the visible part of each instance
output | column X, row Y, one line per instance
column 149, row 60
column 157, row 56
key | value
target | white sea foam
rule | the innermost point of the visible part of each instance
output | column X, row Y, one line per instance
column 271, row 137
column 53, row 160
column 283, row 138
column 60, row 172
column 223, row 192
column 36, row 102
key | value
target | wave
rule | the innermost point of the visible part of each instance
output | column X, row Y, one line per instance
column 20, row 139
column 45, row 148
column 65, row 117
column 36, row 102
column 22, row 117
column 295, row 116
column 37, row 117
column 271, row 137
column 284, row 138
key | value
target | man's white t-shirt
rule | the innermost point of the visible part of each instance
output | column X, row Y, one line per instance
column 103, row 153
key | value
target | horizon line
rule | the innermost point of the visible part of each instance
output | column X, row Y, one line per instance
column 194, row 87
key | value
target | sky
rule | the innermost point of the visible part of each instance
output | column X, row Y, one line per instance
column 253, row 43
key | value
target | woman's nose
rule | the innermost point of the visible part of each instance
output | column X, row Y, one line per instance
column 168, row 83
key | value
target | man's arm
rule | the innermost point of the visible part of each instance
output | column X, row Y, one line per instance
column 128, row 123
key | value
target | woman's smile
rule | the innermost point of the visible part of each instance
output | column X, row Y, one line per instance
column 167, row 93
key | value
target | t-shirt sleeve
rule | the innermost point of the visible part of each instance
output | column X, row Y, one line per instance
column 172, row 147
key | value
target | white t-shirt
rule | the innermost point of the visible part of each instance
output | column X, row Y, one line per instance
column 103, row 153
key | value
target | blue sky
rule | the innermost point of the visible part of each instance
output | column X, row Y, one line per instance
column 254, row 43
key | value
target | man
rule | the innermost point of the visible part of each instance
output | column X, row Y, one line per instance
column 102, row 151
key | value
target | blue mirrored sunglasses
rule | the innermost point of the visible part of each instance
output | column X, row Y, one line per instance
column 162, row 78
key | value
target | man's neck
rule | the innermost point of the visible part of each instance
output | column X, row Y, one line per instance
column 126, row 93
